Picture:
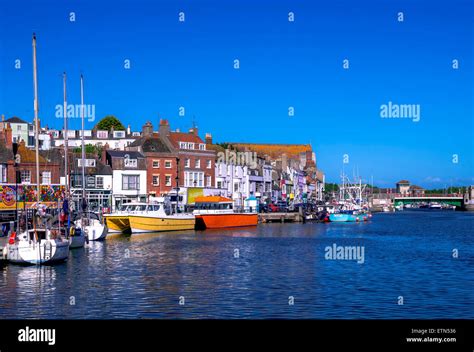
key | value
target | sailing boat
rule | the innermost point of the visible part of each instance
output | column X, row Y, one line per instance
column 41, row 244
column 74, row 235
column 88, row 222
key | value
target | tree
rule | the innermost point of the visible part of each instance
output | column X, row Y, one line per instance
column 108, row 122
column 89, row 149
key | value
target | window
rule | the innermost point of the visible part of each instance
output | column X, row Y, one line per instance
column 102, row 134
column 130, row 162
column 130, row 182
column 182, row 145
column 236, row 187
column 18, row 127
column 219, row 184
column 99, row 181
column 25, row 176
column 208, row 181
column 208, row 164
column 202, row 146
column 197, row 164
column 119, row 134
column 3, row 173
column 193, row 179
column 156, row 164
column 46, row 177
column 187, row 162
column 190, row 145
column 167, row 180
column 168, row 164
column 156, row 180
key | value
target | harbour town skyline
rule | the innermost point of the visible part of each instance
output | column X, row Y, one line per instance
column 296, row 80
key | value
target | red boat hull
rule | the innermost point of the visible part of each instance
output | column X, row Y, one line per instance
column 216, row 221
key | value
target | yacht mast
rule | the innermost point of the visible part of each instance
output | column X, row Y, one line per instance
column 82, row 140
column 66, row 163
column 36, row 108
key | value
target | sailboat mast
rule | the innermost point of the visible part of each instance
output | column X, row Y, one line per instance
column 66, row 140
column 82, row 140
column 36, row 108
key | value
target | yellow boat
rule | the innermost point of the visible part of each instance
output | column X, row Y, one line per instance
column 155, row 218
column 117, row 223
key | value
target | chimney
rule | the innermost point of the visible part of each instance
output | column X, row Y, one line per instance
column 129, row 131
column 147, row 129
column 104, row 153
column 284, row 161
column 8, row 136
column 208, row 138
column 164, row 129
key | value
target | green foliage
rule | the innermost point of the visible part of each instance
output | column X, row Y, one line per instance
column 90, row 149
column 331, row 187
column 108, row 122
column 449, row 190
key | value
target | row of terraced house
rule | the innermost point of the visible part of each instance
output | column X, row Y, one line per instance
column 131, row 166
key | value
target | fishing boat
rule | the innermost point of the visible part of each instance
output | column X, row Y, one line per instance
column 89, row 222
column 348, row 217
column 214, row 212
column 156, row 216
column 39, row 244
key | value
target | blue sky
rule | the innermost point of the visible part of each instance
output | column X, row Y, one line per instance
column 282, row 64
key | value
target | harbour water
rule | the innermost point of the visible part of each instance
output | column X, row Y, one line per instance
column 271, row 271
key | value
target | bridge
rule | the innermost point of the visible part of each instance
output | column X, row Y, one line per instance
column 458, row 201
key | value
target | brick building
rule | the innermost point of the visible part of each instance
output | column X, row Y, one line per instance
column 49, row 163
column 175, row 158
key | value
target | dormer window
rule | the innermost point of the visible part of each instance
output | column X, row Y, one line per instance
column 130, row 162
column 190, row 145
column 119, row 134
column 202, row 146
column 182, row 145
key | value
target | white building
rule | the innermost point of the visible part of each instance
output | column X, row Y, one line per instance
column 117, row 140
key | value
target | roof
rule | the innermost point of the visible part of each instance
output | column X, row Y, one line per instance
column 5, row 153
column 15, row 119
column 151, row 144
column 403, row 182
column 274, row 150
column 215, row 147
column 122, row 153
column 211, row 199
column 176, row 137
column 415, row 187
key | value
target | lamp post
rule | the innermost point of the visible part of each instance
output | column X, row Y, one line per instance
column 15, row 165
column 177, row 183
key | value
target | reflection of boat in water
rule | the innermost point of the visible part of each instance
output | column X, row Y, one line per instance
column 214, row 212
column 156, row 217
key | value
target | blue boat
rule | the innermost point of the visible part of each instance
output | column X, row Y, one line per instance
column 345, row 217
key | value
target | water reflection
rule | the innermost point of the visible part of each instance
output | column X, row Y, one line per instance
column 252, row 272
